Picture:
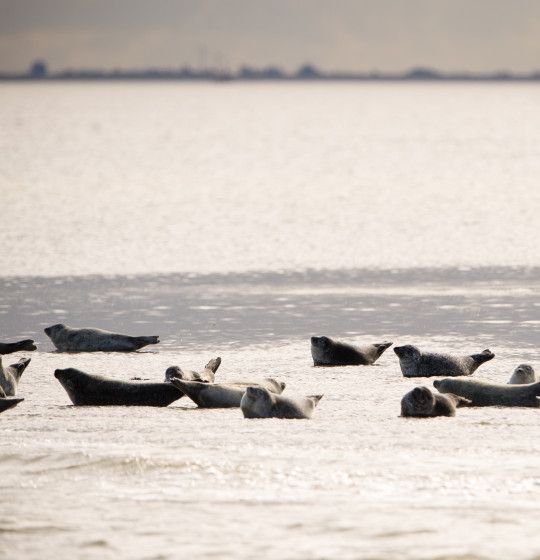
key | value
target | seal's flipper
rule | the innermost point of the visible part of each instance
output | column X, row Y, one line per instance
column 315, row 399
column 213, row 365
column 484, row 356
column 19, row 367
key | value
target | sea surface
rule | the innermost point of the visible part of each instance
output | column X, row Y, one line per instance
column 238, row 220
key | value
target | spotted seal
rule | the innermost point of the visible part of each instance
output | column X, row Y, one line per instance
column 67, row 339
column 328, row 352
column 258, row 402
column 523, row 375
column 223, row 395
column 85, row 389
column 422, row 403
column 21, row 346
column 206, row 376
column 415, row 363
column 11, row 375
column 484, row 393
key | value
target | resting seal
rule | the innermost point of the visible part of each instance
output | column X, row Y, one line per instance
column 22, row 345
column 94, row 390
column 10, row 376
column 523, row 375
column 328, row 352
column 414, row 363
column 224, row 395
column 67, row 339
column 421, row 402
column 206, row 376
column 257, row 402
column 484, row 393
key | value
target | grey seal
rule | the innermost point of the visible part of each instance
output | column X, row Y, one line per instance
column 67, row 339
column 484, row 393
column 85, row 389
column 415, row 363
column 21, row 346
column 206, row 376
column 6, row 403
column 258, row 402
column 11, row 375
column 223, row 395
column 523, row 375
column 328, row 352
column 422, row 403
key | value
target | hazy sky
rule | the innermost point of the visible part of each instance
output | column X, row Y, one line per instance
column 475, row 35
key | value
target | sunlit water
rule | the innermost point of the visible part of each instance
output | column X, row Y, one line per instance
column 239, row 220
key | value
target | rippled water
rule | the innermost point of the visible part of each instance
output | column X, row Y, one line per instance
column 233, row 221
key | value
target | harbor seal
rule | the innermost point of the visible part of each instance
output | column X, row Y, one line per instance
column 257, row 402
column 206, row 376
column 85, row 389
column 484, row 393
column 422, row 403
column 67, row 339
column 415, row 363
column 21, row 346
column 223, row 395
column 523, row 375
column 10, row 376
column 328, row 352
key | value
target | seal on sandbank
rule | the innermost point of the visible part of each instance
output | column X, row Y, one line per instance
column 523, row 375
column 328, row 352
column 223, row 395
column 258, row 402
column 206, row 376
column 422, row 403
column 21, row 346
column 67, row 339
column 11, row 375
column 484, row 393
column 85, row 389
column 415, row 363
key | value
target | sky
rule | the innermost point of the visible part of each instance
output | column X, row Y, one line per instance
column 346, row 35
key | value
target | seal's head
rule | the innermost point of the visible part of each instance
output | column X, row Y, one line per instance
column 321, row 349
column 321, row 342
column 408, row 353
column 53, row 330
column 523, row 374
column 71, row 379
column 173, row 371
column 256, row 403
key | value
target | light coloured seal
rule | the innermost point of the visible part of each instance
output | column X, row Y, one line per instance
column 415, row 363
column 523, row 375
column 85, row 389
column 6, row 402
column 21, row 346
column 223, row 395
column 484, row 393
column 258, row 402
column 422, row 403
column 11, row 375
column 328, row 352
column 206, row 376
column 67, row 339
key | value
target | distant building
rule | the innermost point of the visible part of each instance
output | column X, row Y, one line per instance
column 38, row 69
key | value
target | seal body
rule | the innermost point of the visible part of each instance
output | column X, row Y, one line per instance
column 10, row 376
column 523, row 375
column 206, row 376
column 415, row 363
column 328, row 352
column 223, row 395
column 85, row 389
column 21, row 346
column 67, row 339
column 257, row 402
column 422, row 403
column 484, row 393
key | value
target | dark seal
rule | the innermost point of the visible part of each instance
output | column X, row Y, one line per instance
column 422, row 403
column 328, row 352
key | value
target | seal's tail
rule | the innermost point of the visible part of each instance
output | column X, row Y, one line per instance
column 484, row 356
column 23, row 345
column 315, row 398
column 145, row 340
column 20, row 366
column 213, row 365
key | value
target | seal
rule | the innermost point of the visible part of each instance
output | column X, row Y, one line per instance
column 206, row 376
column 328, row 352
column 67, row 339
column 257, row 402
column 422, row 403
column 21, row 346
column 523, row 375
column 223, row 395
column 484, row 393
column 10, row 376
column 85, row 389
column 415, row 363
column 6, row 403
